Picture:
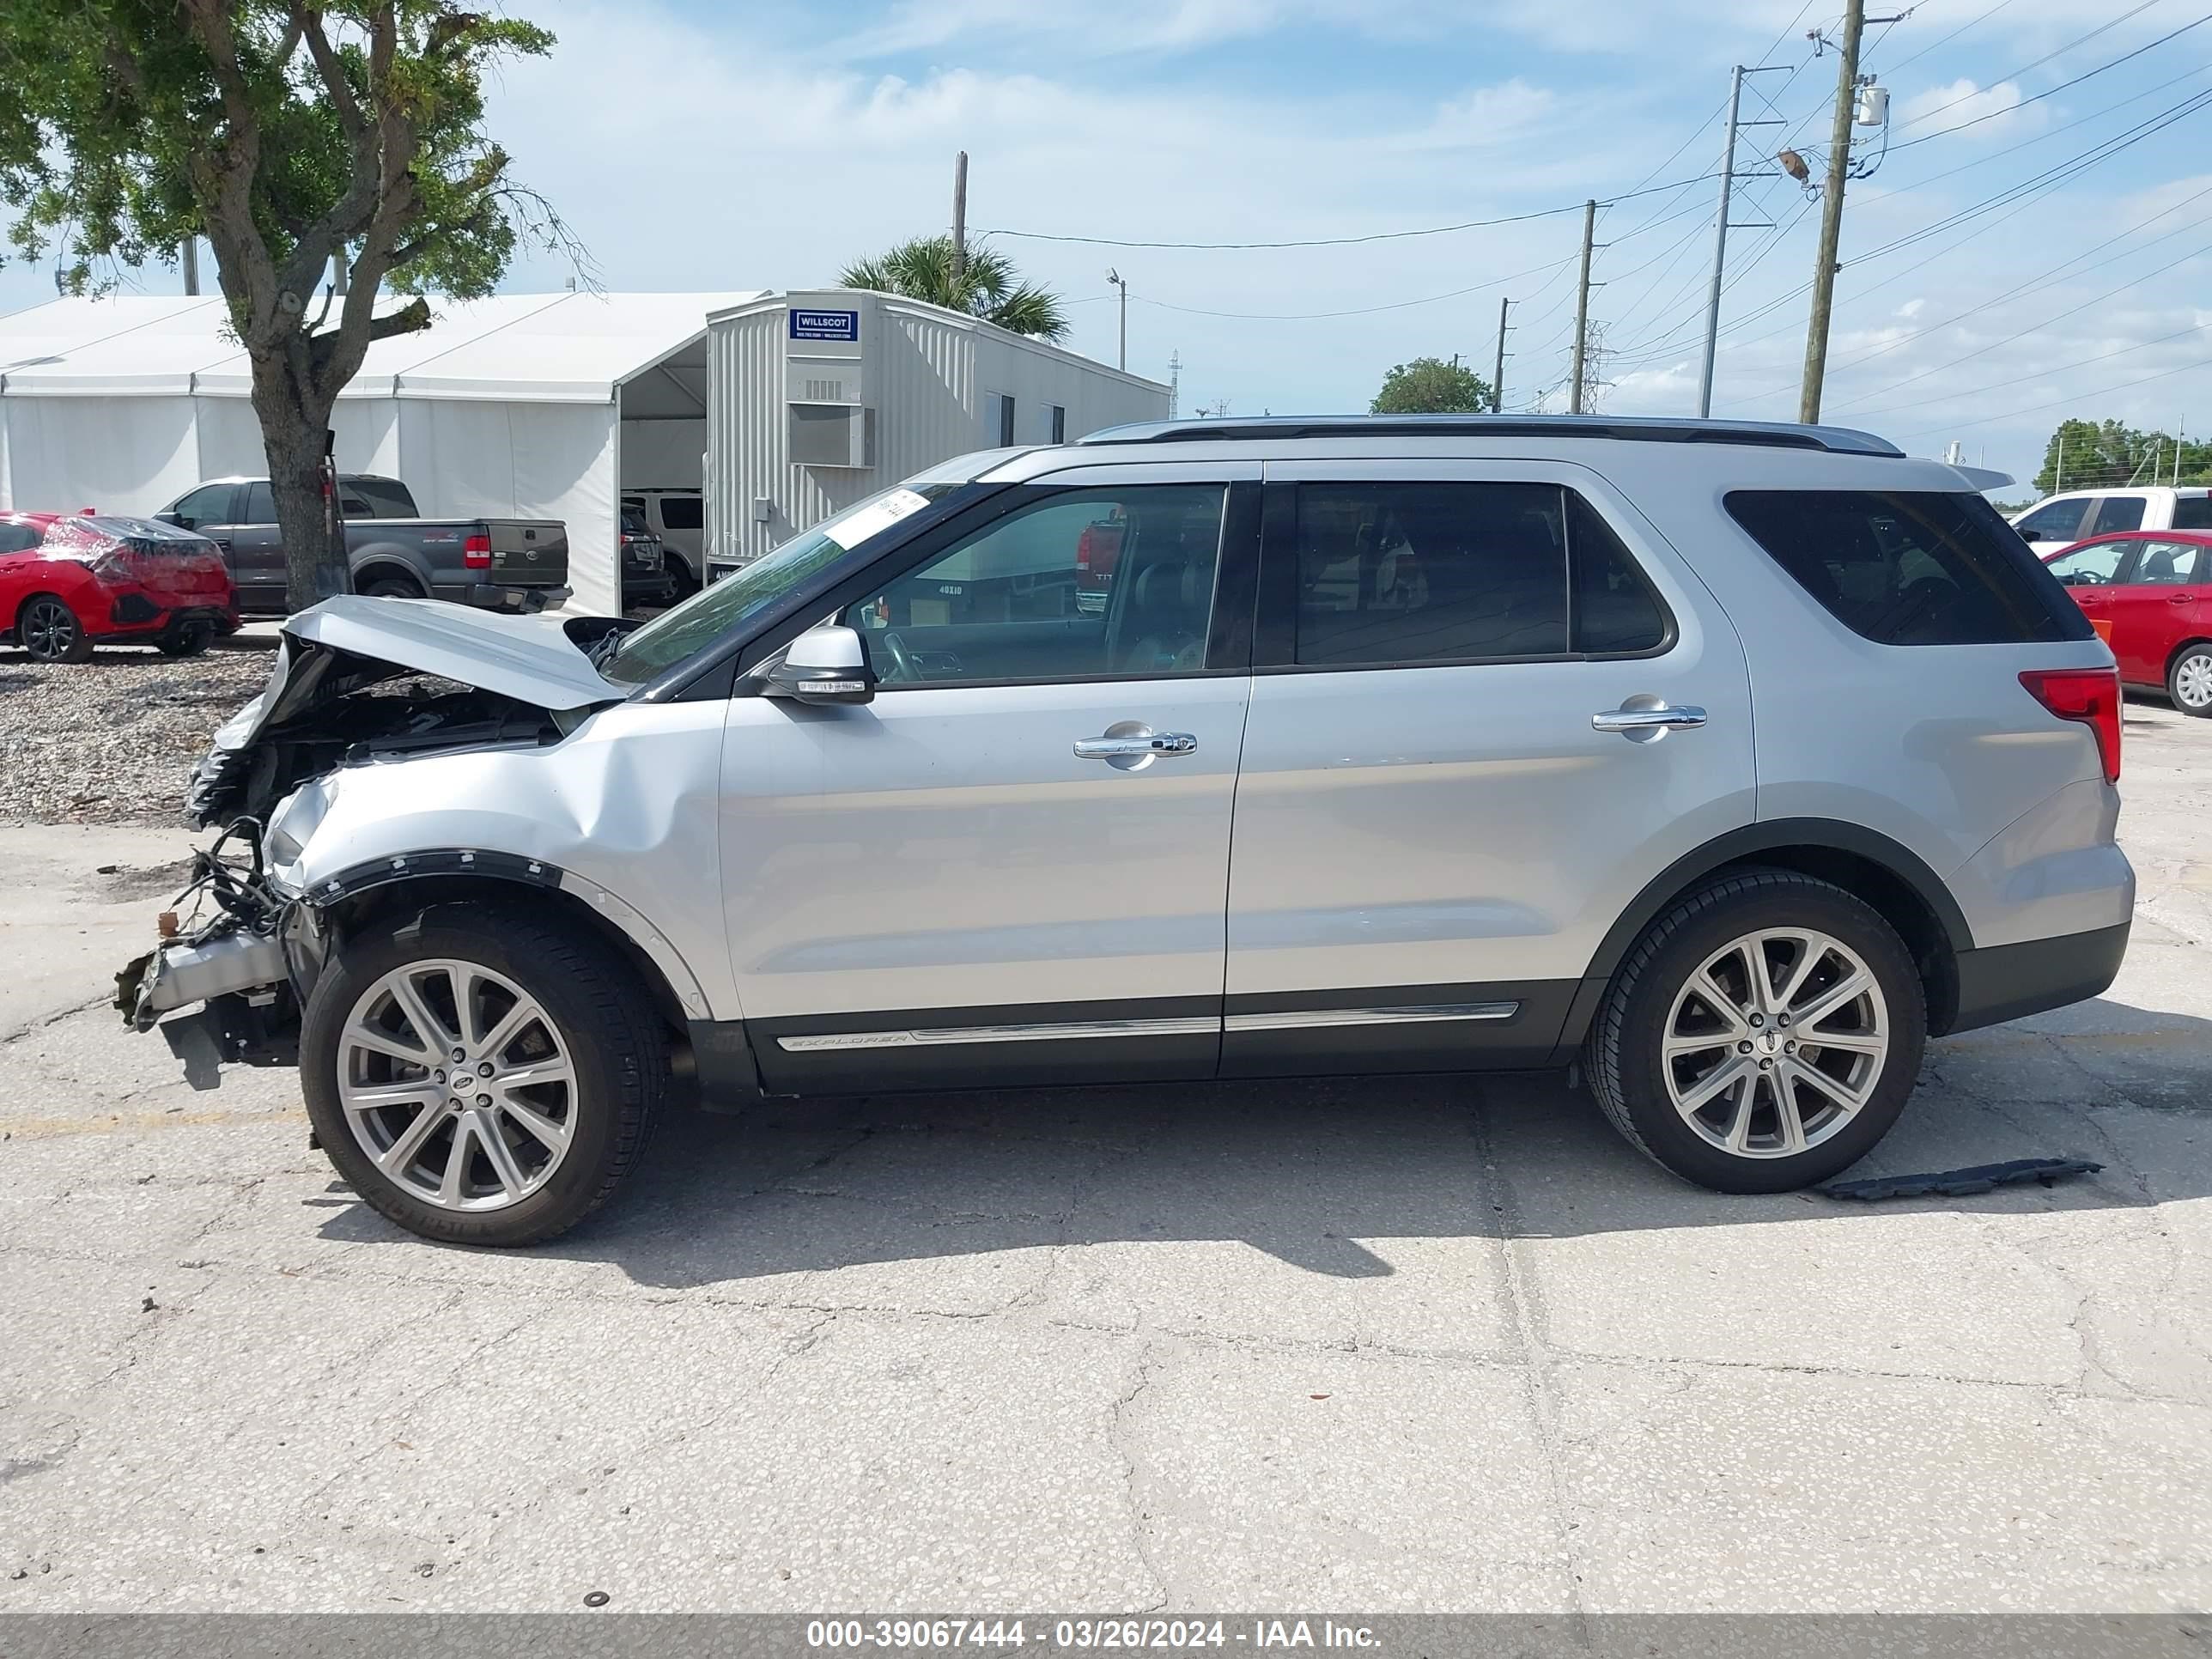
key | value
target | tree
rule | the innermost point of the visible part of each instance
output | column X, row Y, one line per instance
column 989, row 287
column 2095, row 454
column 1428, row 385
column 290, row 135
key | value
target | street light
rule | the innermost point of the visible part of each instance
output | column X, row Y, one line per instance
column 1122, row 283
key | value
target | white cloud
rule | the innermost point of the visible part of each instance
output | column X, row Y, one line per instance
column 1983, row 113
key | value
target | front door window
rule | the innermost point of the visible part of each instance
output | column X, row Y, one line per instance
column 1079, row 584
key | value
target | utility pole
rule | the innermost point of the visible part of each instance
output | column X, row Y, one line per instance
column 1582, row 306
column 1832, row 214
column 1175, row 381
column 1721, row 228
column 1122, row 362
column 959, row 222
column 1498, row 380
column 189, row 255
column 1720, row 247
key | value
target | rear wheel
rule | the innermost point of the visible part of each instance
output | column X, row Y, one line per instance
column 2189, row 682
column 186, row 639
column 393, row 587
column 679, row 574
column 1763, row 1035
column 481, row 1077
column 49, row 631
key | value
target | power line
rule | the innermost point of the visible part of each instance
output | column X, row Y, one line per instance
column 2043, row 374
column 2058, row 403
column 2036, row 185
column 1342, row 242
column 1952, row 36
column 1946, row 132
column 2014, row 75
column 1356, row 311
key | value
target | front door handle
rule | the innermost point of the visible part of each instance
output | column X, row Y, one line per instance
column 1651, row 719
column 1135, row 745
column 2180, row 599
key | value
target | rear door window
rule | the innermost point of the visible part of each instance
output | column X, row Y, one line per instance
column 2059, row 521
column 260, row 504
column 1396, row 575
column 1392, row 575
column 385, row 498
column 2167, row 564
column 682, row 512
column 1909, row 567
column 20, row 537
column 2119, row 513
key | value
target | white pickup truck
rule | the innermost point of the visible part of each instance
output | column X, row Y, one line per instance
column 2061, row 520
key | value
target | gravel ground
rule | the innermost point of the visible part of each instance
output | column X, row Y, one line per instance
column 112, row 740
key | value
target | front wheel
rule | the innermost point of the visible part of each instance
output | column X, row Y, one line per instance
column 479, row 1076
column 2189, row 682
column 1762, row 1035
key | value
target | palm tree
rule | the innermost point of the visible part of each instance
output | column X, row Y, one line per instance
column 990, row 288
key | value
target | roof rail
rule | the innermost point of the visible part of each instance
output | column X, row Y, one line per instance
column 1837, row 439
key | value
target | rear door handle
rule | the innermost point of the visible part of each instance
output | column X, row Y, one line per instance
column 1135, row 746
column 1662, row 718
column 2180, row 599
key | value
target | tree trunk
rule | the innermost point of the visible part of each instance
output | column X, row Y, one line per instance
column 294, row 421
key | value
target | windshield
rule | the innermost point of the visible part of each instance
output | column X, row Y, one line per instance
column 689, row 628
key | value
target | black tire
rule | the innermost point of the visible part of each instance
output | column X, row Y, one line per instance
column 1622, row 1053
column 49, row 631
column 186, row 639
column 679, row 574
column 2200, row 656
column 393, row 587
column 617, row 1043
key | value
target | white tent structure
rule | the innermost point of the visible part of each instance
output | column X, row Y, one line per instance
column 533, row 405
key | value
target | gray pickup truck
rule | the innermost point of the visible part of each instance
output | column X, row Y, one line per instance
column 495, row 564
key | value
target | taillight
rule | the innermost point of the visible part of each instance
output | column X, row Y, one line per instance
column 2090, row 695
column 475, row 553
column 1083, row 551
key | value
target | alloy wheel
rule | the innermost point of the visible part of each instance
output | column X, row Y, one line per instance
column 1776, row 1042
column 458, row 1084
column 47, row 628
column 2192, row 681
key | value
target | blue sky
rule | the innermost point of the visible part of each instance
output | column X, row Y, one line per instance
column 737, row 145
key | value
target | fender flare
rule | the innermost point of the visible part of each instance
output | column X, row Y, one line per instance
column 477, row 865
column 1735, row 846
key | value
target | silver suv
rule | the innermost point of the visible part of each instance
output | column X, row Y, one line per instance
column 1724, row 763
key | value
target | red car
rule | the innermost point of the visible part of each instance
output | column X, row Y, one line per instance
column 70, row 582
column 2152, row 590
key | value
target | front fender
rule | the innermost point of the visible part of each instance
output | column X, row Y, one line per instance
column 622, row 814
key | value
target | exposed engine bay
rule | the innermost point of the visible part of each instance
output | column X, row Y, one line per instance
column 356, row 683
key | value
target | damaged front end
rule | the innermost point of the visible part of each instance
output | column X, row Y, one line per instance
column 356, row 682
column 241, row 950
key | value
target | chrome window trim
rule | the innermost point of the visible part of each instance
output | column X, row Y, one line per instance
column 1297, row 1018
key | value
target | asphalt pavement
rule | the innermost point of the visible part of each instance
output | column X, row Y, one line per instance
column 1436, row 1344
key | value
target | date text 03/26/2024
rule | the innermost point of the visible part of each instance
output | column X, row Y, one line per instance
column 1086, row 1634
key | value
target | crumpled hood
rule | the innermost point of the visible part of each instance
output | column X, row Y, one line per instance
column 520, row 669
column 529, row 659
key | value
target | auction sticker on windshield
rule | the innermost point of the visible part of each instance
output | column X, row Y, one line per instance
column 879, row 515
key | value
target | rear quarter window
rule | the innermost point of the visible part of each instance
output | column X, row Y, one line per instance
column 2192, row 512
column 1910, row 567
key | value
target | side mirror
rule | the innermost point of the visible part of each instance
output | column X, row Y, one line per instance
column 176, row 519
column 824, row 665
